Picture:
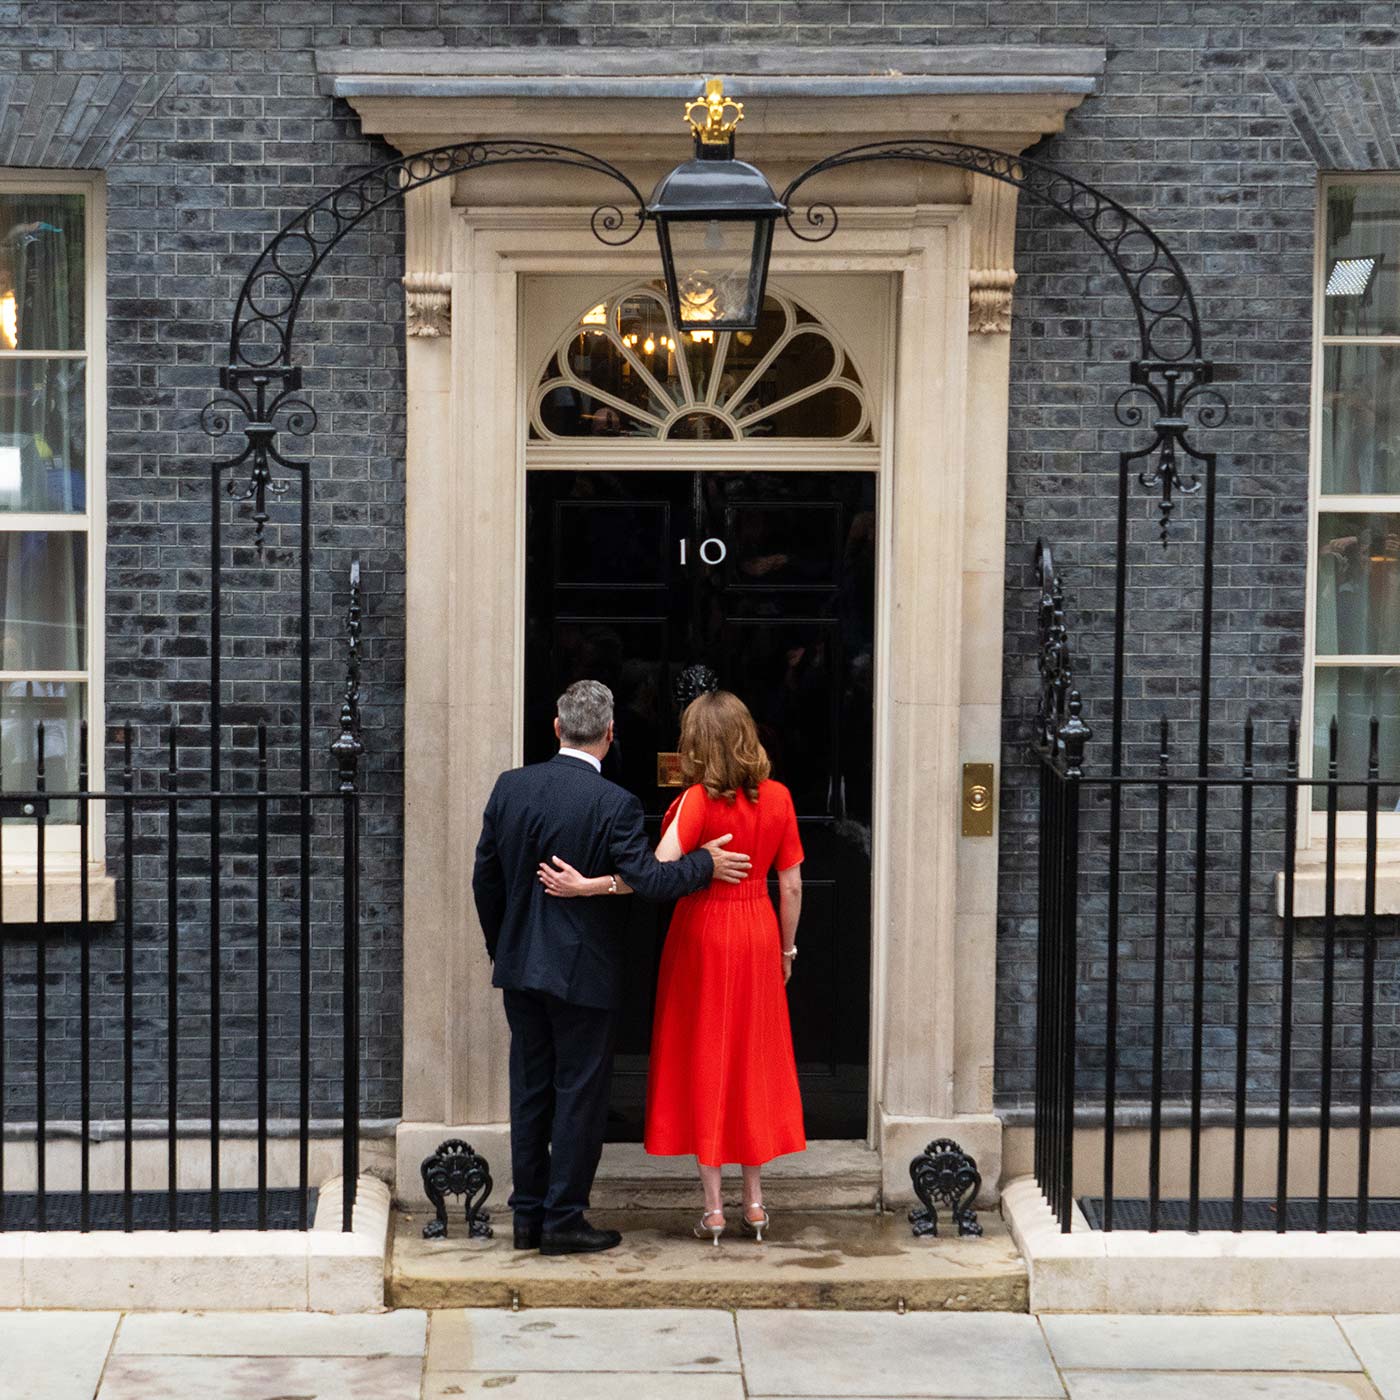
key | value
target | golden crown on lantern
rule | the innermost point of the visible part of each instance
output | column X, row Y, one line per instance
column 713, row 117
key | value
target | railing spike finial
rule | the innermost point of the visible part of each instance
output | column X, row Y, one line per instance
column 1074, row 735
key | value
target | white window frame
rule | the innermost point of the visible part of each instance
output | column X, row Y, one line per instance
column 62, row 840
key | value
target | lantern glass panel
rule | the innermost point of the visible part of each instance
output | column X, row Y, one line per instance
column 719, row 266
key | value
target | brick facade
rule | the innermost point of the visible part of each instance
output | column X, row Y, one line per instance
column 1212, row 120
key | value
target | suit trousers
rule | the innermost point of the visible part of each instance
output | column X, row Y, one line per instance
column 560, row 1075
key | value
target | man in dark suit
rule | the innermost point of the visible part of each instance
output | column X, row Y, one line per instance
column 559, row 961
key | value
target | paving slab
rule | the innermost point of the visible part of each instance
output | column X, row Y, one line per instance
column 823, row 1259
column 940, row 1355
column 1376, row 1340
column 1216, row 1385
column 580, row 1385
column 54, row 1355
column 402, row 1333
column 262, row 1378
column 658, row 1341
column 1122, row 1343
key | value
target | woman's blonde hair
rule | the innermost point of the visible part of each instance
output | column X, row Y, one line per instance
column 720, row 748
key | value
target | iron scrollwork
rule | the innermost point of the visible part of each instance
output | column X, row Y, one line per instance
column 264, row 319
column 944, row 1175
column 457, row 1169
column 259, row 382
column 1181, row 396
column 260, row 403
column 1059, row 724
column 1170, row 370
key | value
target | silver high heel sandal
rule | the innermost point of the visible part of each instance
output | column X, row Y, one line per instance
column 713, row 1231
column 757, row 1226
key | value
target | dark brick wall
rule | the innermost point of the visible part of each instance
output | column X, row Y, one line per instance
column 1212, row 120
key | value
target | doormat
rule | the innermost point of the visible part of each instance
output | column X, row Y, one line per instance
column 150, row 1210
column 1260, row 1213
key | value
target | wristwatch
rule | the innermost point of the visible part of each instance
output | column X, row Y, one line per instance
column 790, row 952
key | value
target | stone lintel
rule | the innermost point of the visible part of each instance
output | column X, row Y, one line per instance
column 672, row 72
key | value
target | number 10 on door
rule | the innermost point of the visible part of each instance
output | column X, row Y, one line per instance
column 712, row 551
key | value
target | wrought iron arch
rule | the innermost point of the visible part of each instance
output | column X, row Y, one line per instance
column 1170, row 375
column 260, row 389
column 1136, row 252
column 295, row 253
column 1170, row 380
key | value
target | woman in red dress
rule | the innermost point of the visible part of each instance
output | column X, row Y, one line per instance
column 723, row 1079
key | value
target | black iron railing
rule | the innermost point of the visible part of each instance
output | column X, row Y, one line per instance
column 228, row 985
column 1187, row 984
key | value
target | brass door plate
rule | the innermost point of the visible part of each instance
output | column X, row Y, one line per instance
column 668, row 771
column 978, row 789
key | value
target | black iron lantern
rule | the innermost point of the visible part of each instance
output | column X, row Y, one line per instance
column 714, row 220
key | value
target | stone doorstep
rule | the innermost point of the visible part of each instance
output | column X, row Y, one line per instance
column 827, row 1176
column 855, row 1260
column 1133, row 1271
column 318, row 1270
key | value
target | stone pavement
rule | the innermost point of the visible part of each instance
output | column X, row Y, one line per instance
column 693, row 1354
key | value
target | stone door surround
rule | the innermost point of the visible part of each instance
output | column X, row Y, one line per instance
column 944, row 242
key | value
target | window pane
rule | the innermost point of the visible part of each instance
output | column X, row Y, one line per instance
column 43, row 435
column 830, row 412
column 60, row 706
column 1358, row 584
column 644, row 326
column 1353, row 694
column 596, row 360
column 1360, row 428
column 747, row 348
column 43, row 601
column 567, row 411
column 41, row 272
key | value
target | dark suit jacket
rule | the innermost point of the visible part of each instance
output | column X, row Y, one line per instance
column 570, row 948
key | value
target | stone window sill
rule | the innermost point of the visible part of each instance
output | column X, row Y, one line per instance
column 62, row 896
column 1310, row 880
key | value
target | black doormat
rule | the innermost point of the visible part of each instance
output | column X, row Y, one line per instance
column 1260, row 1213
column 150, row 1210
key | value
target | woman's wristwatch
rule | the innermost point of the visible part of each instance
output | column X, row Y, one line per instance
column 790, row 952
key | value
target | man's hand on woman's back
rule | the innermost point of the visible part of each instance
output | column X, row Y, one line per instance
column 730, row 866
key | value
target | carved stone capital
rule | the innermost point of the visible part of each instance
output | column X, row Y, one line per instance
column 989, row 303
column 993, row 244
column 428, row 310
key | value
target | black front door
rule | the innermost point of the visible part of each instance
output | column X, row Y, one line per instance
column 769, row 580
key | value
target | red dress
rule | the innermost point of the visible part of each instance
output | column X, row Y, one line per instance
column 723, row 1080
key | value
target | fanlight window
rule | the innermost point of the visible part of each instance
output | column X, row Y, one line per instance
column 622, row 370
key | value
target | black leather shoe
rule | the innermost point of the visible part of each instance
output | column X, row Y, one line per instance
column 527, row 1233
column 582, row 1239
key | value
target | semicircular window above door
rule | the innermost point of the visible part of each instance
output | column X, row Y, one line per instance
column 622, row 370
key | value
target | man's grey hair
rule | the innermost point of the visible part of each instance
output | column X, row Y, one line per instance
column 585, row 711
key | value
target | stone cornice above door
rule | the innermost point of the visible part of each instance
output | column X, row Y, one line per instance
column 624, row 104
